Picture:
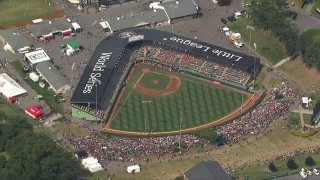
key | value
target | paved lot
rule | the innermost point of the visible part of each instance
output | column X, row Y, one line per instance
column 298, row 177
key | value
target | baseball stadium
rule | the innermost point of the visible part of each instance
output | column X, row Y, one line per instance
column 145, row 81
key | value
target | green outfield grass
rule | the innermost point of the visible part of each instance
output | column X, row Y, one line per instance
column 148, row 78
column 18, row 11
column 199, row 103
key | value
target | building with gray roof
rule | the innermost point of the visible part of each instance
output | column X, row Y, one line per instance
column 180, row 9
column 49, row 27
column 160, row 13
column 58, row 83
column 15, row 41
column 207, row 170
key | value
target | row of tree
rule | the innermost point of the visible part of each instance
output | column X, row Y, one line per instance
column 27, row 155
column 271, row 15
column 291, row 164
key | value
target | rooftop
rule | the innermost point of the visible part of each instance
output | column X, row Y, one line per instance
column 181, row 8
column 52, row 75
column 207, row 170
column 15, row 38
column 136, row 20
column 48, row 27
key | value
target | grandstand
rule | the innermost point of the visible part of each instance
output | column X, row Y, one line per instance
column 114, row 57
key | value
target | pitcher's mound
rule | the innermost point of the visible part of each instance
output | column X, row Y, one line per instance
column 146, row 70
column 155, row 81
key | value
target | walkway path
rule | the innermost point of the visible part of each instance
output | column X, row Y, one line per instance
column 281, row 62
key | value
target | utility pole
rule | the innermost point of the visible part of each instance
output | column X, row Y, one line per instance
column 180, row 130
column 145, row 117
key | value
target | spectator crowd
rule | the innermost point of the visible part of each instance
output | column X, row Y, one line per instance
column 276, row 105
column 127, row 149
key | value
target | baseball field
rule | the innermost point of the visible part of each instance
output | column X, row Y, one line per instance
column 157, row 100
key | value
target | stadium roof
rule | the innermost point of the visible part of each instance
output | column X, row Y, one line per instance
column 109, row 51
column 15, row 38
column 207, row 170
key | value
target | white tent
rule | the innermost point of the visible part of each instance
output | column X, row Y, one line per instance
column 95, row 167
column 134, row 168
column 88, row 161
column 9, row 87
column 306, row 101
column 92, row 164
column 34, row 77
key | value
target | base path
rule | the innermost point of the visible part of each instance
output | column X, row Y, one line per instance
column 172, row 87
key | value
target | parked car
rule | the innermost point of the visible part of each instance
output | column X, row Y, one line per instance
column 224, row 21
column 231, row 19
column 309, row 172
column 316, row 172
column 303, row 174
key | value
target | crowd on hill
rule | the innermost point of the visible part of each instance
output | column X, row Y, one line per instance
column 125, row 148
column 276, row 105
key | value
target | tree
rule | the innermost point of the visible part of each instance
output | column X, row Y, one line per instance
column 272, row 167
column 218, row 140
column 34, row 156
column 291, row 164
column 275, row 21
column 309, row 161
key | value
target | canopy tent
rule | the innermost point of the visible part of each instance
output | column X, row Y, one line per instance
column 34, row 111
column 9, row 87
column 92, row 164
column 74, row 44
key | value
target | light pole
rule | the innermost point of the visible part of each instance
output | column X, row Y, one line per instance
column 72, row 67
column 180, row 130
column 96, row 82
column 251, row 28
column 172, row 7
column 145, row 117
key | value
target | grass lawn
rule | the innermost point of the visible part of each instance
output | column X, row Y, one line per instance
column 311, row 77
column 198, row 101
column 73, row 129
column 47, row 94
column 100, row 175
column 8, row 108
column 154, row 81
column 267, row 44
column 258, row 170
column 307, row 118
column 17, row 11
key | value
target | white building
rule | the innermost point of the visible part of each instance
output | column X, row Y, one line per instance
column 9, row 87
column 36, row 57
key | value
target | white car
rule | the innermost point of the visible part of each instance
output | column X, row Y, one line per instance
column 316, row 172
column 309, row 172
column 303, row 174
